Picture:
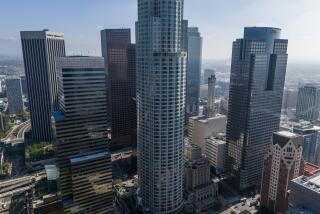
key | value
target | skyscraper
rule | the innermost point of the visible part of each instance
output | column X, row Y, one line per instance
column 282, row 163
column 311, row 141
column 24, row 85
column 161, row 91
column 40, row 49
column 289, row 100
column 257, row 78
column 185, row 29
column 308, row 104
column 81, row 136
column 210, row 109
column 215, row 151
column 14, row 95
column 206, row 74
column 193, row 71
column 120, row 56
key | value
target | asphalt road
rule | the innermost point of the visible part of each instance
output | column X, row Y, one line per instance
column 19, row 138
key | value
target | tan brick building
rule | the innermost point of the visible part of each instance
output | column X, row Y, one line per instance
column 283, row 163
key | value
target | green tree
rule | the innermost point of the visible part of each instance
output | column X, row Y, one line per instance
column 6, row 167
column 40, row 151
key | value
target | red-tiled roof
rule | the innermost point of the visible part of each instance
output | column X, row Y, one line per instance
column 310, row 169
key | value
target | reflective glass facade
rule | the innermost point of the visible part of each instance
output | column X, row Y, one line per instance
column 257, row 79
column 81, row 136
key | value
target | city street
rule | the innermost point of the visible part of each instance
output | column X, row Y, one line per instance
column 11, row 138
column 14, row 151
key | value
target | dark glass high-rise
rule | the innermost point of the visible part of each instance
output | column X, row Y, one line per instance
column 257, row 79
column 120, row 58
column 40, row 50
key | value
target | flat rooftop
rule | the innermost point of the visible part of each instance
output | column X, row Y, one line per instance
column 311, row 183
column 215, row 140
column 310, row 169
column 203, row 119
column 315, row 180
column 287, row 134
column 283, row 137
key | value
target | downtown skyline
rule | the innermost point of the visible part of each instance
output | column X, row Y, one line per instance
column 120, row 118
column 219, row 23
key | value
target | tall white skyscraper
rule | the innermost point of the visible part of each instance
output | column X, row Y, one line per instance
column 161, row 91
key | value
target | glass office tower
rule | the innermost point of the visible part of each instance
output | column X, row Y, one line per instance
column 257, row 79
column 81, row 136
column 40, row 50
column 193, row 71
column 120, row 57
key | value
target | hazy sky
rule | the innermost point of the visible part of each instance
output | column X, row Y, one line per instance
column 220, row 22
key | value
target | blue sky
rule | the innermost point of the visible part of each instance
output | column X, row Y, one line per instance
column 220, row 22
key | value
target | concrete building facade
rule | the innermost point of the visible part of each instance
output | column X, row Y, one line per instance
column 305, row 194
column 200, row 193
column 200, row 128
column 216, row 151
column 283, row 163
column 161, row 91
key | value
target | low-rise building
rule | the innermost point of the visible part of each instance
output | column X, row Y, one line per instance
column 201, row 127
column 305, row 193
column 310, row 169
column 192, row 151
column 200, row 192
column 48, row 204
column 215, row 151
column 126, row 195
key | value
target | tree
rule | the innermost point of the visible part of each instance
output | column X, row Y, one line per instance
column 6, row 167
column 40, row 151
